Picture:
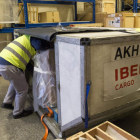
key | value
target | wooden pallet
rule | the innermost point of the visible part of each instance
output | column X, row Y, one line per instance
column 32, row 14
column 102, row 131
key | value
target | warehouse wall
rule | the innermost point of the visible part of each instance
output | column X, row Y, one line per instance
column 5, row 39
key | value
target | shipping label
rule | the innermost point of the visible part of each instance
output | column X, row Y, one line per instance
column 111, row 22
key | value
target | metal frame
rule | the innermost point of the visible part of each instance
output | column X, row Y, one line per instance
column 66, row 2
column 135, row 6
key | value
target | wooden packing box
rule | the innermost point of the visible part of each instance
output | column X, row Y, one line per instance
column 125, row 11
column 137, row 21
column 105, row 131
column 87, row 25
column 32, row 13
column 0, row 26
column 49, row 17
column 101, row 6
column 125, row 20
column 74, row 136
column 99, row 17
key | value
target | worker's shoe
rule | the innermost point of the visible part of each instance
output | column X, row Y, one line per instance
column 7, row 106
column 23, row 114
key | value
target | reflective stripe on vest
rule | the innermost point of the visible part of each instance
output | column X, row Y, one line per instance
column 17, row 55
column 23, row 48
column 19, row 52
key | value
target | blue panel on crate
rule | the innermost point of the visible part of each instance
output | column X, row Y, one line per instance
column 55, row 116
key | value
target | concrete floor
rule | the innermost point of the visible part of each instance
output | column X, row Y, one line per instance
column 28, row 128
column 130, row 124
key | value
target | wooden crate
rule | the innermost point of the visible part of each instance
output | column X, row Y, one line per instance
column 87, row 25
column 125, row 11
column 32, row 14
column 101, row 6
column 137, row 21
column 99, row 17
column 125, row 20
column 103, row 131
column 0, row 26
column 74, row 136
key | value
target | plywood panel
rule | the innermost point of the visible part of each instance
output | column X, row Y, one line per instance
column 129, row 22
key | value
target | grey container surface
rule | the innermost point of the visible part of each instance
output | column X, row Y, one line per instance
column 110, row 60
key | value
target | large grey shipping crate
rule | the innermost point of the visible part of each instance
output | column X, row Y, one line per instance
column 111, row 61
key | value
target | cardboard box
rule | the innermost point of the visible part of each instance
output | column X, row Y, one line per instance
column 124, row 20
column 48, row 17
column 87, row 25
column 109, row 22
column 101, row 6
column 105, row 131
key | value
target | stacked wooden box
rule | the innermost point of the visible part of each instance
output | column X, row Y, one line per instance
column 124, row 20
column 0, row 26
column 35, row 17
column 102, row 8
column 105, row 131
column 32, row 13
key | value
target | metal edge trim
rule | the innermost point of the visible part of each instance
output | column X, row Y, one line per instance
column 58, row 82
column 71, row 124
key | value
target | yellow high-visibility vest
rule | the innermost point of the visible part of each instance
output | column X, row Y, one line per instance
column 19, row 52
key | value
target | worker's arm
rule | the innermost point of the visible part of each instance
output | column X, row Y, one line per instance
column 39, row 44
column 30, row 67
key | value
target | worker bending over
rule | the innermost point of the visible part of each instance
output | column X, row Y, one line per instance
column 13, row 61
